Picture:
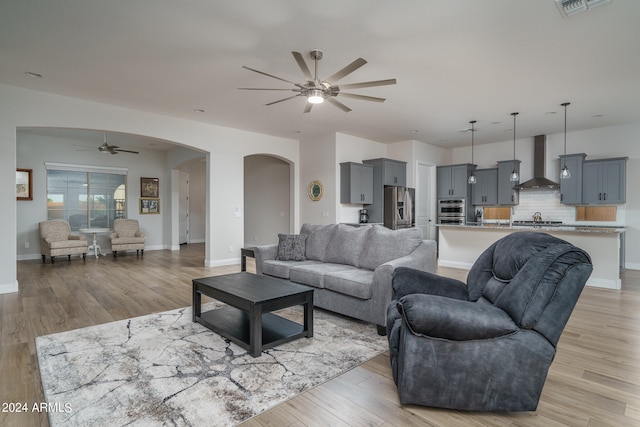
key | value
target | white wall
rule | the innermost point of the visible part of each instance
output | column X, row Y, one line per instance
column 225, row 147
column 605, row 142
column 318, row 162
column 197, row 170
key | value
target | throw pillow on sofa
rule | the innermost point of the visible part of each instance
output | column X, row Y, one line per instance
column 383, row 245
column 346, row 244
column 291, row 247
column 318, row 237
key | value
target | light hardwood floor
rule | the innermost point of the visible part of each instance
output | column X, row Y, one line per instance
column 594, row 380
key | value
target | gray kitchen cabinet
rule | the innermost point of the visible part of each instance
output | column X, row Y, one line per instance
column 453, row 181
column 571, row 188
column 356, row 183
column 385, row 172
column 604, row 181
column 507, row 195
column 485, row 191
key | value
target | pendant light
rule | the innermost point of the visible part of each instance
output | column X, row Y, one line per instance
column 472, row 177
column 565, row 173
column 514, row 174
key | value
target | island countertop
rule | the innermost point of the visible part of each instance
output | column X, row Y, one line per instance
column 460, row 245
column 560, row 227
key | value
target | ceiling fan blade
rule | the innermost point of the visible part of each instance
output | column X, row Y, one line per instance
column 361, row 97
column 281, row 100
column 270, row 75
column 346, row 70
column 124, row 151
column 303, row 65
column 368, row 84
column 340, row 105
column 307, row 108
column 261, row 88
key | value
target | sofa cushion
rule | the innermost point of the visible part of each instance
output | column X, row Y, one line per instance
column 281, row 269
column 318, row 237
column 313, row 274
column 384, row 245
column 346, row 244
column 356, row 283
column 291, row 247
column 60, row 244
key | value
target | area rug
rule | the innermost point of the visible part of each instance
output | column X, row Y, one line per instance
column 163, row 369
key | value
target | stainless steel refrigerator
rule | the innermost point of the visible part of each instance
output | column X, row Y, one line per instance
column 399, row 209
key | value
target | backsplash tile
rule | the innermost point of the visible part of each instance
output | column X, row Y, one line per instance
column 548, row 204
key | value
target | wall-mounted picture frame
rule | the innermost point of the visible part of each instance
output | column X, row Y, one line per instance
column 149, row 205
column 24, row 184
column 315, row 190
column 149, row 187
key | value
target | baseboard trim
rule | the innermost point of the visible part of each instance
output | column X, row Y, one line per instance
column 632, row 266
column 9, row 288
column 221, row 262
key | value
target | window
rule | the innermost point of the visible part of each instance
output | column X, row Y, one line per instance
column 86, row 196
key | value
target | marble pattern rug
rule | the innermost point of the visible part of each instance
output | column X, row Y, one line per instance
column 163, row 369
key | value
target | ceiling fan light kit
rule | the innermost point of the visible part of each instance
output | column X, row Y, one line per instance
column 316, row 91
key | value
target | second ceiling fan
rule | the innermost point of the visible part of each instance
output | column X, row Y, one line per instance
column 317, row 91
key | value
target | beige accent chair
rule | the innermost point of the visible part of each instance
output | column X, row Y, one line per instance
column 56, row 239
column 126, row 236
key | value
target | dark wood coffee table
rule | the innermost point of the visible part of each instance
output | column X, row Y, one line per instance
column 248, row 321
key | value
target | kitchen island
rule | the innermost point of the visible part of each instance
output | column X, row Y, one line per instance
column 460, row 245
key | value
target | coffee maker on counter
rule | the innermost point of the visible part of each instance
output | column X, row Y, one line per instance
column 364, row 216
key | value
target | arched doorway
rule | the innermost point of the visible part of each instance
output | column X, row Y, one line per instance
column 267, row 199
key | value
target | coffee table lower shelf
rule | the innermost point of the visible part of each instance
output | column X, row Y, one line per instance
column 234, row 324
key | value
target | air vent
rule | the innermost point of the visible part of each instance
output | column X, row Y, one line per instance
column 571, row 7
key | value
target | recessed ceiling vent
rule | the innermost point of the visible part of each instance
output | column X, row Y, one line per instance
column 571, row 7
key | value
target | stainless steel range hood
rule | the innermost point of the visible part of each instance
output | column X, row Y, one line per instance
column 539, row 181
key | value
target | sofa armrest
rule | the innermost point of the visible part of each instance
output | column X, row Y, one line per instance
column 422, row 258
column 408, row 281
column 453, row 319
column 263, row 253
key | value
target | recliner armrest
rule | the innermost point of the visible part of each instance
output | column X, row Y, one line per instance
column 411, row 281
column 453, row 319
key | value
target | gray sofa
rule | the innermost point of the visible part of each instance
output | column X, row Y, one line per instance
column 350, row 268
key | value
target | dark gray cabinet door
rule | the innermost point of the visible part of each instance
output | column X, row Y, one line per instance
column 356, row 183
column 506, row 194
column 443, row 176
column 453, row 181
column 395, row 173
column 571, row 188
column 485, row 191
column 604, row 181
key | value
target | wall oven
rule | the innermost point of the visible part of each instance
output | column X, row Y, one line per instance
column 451, row 211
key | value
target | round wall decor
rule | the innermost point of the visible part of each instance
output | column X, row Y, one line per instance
column 315, row 190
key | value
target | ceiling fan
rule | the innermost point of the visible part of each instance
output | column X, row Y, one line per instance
column 111, row 149
column 317, row 91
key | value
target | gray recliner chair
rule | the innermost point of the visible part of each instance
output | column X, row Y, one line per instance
column 486, row 345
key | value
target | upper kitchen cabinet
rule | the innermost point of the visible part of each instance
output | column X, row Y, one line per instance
column 453, row 181
column 485, row 191
column 356, row 183
column 385, row 172
column 507, row 195
column 389, row 172
column 604, row 181
column 571, row 188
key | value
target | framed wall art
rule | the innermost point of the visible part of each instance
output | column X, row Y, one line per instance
column 149, row 187
column 149, row 205
column 315, row 190
column 24, row 184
